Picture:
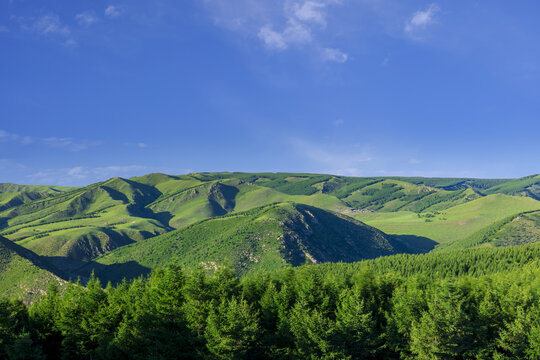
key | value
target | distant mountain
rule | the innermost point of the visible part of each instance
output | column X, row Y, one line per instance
column 85, row 222
column 526, row 186
column 12, row 195
column 267, row 237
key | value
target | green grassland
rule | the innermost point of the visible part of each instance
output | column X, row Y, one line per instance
column 83, row 223
column 527, row 186
column 453, row 223
column 517, row 229
column 264, row 238
column 12, row 195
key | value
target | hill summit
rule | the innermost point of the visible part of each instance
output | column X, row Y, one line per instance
column 267, row 237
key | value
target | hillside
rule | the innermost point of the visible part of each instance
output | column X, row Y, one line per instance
column 84, row 223
column 454, row 223
column 526, row 186
column 23, row 274
column 518, row 229
column 265, row 238
column 12, row 195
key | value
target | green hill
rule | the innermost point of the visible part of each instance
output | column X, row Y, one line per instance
column 23, row 274
column 12, row 195
column 265, row 238
column 518, row 229
column 83, row 223
column 526, row 186
column 454, row 223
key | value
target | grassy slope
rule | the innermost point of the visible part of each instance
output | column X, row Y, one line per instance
column 85, row 222
column 518, row 229
column 526, row 186
column 264, row 238
column 12, row 195
column 454, row 223
column 523, row 229
column 13, row 188
column 22, row 273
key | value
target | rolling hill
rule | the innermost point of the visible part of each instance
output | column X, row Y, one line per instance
column 85, row 222
column 265, row 238
column 74, row 225
column 518, row 229
column 12, row 195
column 454, row 223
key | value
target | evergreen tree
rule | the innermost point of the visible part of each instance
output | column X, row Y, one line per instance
column 232, row 330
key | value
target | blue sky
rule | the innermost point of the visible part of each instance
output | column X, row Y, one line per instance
column 95, row 89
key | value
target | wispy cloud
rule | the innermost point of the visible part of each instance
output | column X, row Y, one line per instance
column 310, row 11
column 141, row 145
column 70, row 143
column 279, row 25
column 334, row 55
column 3, row 29
column 86, row 18
column 294, row 33
column 7, row 136
column 48, row 25
column 66, row 143
column 113, row 11
column 421, row 19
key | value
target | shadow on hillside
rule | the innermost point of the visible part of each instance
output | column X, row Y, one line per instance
column 416, row 244
column 74, row 269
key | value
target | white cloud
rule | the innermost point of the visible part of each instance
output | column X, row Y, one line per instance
column 86, row 18
column 6, row 136
column 279, row 25
column 294, row 33
column 141, row 145
column 113, row 11
column 272, row 39
column 3, row 29
column 49, row 25
column 310, row 11
column 334, row 55
column 422, row 18
column 69, row 143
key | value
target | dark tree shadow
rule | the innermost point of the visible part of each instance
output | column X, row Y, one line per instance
column 416, row 244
